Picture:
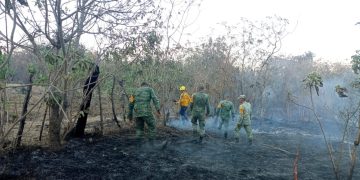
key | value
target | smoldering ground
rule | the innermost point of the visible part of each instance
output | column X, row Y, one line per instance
column 176, row 155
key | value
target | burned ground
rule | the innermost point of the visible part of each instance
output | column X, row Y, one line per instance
column 176, row 155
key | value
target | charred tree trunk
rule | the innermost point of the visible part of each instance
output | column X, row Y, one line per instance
column 113, row 104
column 24, row 111
column 88, row 89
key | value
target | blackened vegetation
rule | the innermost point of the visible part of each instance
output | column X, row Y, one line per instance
column 88, row 89
column 341, row 91
column 175, row 155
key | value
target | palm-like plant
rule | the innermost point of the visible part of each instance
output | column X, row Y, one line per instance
column 313, row 80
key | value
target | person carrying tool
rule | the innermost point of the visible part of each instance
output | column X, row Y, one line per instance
column 140, row 108
column 225, row 110
column 200, row 108
column 244, row 119
column 184, row 102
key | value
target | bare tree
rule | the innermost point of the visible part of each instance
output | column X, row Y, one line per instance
column 62, row 23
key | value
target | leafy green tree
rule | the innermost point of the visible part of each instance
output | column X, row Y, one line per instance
column 313, row 80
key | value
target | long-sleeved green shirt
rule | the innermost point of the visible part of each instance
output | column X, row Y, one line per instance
column 245, row 113
column 225, row 109
column 140, row 103
column 200, row 103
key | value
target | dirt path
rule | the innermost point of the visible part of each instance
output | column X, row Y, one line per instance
column 173, row 156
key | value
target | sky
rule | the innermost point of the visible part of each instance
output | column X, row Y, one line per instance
column 325, row 27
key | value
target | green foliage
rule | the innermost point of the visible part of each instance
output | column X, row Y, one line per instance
column 356, row 83
column 153, row 39
column 53, row 98
column 79, row 59
column 53, row 60
column 31, row 69
column 41, row 79
column 313, row 80
column 82, row 63
column 5, row 71
column 356, row 62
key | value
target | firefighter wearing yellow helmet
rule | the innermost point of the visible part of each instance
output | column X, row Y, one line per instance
column 184, row 101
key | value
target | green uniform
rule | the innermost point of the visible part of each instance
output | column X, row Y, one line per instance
column 140, row 108
column 225, row 110
column 199, row 108
column 244, row 120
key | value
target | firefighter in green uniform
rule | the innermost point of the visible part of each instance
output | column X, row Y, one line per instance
column 199, row 108
column 225, row 110
column 244, row 119
column 140, row 108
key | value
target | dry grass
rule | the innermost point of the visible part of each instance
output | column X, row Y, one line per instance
column 15, row 97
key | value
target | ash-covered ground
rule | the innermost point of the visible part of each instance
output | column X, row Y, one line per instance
column 177, row 155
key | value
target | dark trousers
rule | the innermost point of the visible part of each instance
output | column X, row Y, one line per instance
column 182, row 113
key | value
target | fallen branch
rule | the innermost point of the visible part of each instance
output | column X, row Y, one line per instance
column 296, row 165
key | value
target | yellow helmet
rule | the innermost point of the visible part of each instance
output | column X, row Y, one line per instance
column 182, row 88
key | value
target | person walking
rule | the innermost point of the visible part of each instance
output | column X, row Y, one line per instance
column 200, row 108
column 225, row 110
column 244, row 119
column 184, row 101
column 140, row 108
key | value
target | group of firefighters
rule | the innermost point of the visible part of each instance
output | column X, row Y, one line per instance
column 140, row 109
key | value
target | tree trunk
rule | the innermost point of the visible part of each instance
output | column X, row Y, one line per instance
column 24, row 111
column 113, row 104
column 54, row 126
column 101, row 112
column 88, row 89
column 124, row 96
column 3, row 105
column 354, row 152
column 81, row 122
column 43, row 122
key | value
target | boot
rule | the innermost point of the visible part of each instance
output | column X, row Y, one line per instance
column 225, row 135
column 201, row 139
column 194, row 130
column 237, row 140
column 250, row 142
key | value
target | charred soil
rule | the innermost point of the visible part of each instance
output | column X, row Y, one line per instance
column 175, row 154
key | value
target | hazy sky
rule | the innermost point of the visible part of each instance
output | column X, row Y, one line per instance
column 325, row 27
